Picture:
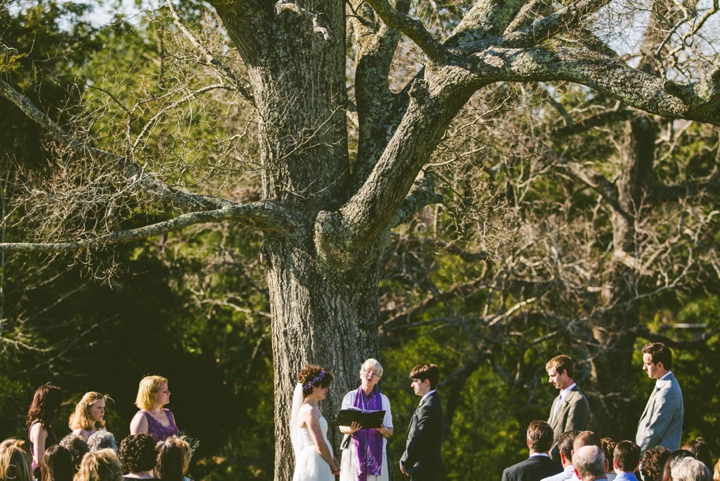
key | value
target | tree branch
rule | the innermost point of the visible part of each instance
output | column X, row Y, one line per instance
column 210, row 59
column 413, row 28
column 265, row 215
column 176, row 197
column 598, row 182
column 421, row 195
column 598, row 120
column 541, row 30
column 607, row 75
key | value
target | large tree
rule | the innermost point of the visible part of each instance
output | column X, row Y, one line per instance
column 327, row 209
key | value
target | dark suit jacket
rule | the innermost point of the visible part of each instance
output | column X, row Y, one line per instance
column 573, row 414
column 534, row 468
column 422, row 452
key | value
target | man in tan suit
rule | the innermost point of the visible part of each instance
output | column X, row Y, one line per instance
column 570, row 410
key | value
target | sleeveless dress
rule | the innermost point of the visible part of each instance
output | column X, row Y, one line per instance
column 309, row 465
column 50, row 439
column 156, row 428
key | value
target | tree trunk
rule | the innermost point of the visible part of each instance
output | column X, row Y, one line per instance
column 319, row 319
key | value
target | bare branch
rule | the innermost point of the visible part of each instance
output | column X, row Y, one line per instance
column 286, row 6
column 211, row 60
column 607, row 75
column 177, row 197
column 413, row 28
column 421, row 195
column 265, row 215
column 598, row 120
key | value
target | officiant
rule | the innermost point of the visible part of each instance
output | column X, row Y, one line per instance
column 364, row 456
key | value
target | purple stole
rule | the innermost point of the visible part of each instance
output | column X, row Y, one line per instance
column 368, row 442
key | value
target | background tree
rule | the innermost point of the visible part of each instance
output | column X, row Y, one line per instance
column 325, row 214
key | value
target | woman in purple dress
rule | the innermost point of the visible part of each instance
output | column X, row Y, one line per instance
column 153, row 394
column 45, row 407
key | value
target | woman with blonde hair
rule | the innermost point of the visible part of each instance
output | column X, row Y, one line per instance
column 89, row 415
column 14, row 461
column 101, row 465
column 153, row 394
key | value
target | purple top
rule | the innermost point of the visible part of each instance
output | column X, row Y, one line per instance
column 156, row 428
column 48, row 442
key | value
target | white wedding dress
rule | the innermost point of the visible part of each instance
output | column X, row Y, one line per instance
column 309, row 465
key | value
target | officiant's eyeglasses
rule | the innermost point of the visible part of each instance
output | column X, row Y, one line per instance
column 370, row 371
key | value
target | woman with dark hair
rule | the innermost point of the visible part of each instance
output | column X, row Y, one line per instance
column 45, row 407
column 170, row 460
column 77, row 447
column 314, row 460
column 138, row 456
column 57, row 464
column 674, row 457
column 700, row 450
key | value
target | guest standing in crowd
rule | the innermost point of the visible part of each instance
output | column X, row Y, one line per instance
column 187, row 453
column 89, row 415
column 422, row 459
column 153, row 418
column 14, row 461
column 653, row 462
column 626, row 458
column 570, row 409
column 661, row 422
column 138, row 456
column 77, row 447
column 366, row 455
column 102, row 440
column 45, row 407
column 565, row 447
column 57, row 464
column 700, row 450
column 169, row 465
column 589, row 463
column 690, row 469
column 539, row 465
column 102, row 465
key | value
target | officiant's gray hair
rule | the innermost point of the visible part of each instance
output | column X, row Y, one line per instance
column 376, row 365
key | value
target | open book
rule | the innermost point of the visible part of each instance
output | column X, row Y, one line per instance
column 366, row 419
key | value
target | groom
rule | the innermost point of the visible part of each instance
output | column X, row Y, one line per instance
column 422, row 460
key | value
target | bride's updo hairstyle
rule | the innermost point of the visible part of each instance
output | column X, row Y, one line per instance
column 313, row 375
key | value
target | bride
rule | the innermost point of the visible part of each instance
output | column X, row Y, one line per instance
column 314, row 460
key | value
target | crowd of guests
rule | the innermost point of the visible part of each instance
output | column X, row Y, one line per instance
column 562, row 449
column 584, row 456
column 154, row 449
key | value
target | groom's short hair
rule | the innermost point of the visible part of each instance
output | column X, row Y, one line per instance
column 426, row 371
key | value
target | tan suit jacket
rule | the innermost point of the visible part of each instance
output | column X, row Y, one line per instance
column 573, row 414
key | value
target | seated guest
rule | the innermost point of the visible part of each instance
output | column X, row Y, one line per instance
column 700, row 450
column 77, row 447
column 674, row 457
column 690, row 469
column 170, row 459
column 585, row 438
column 187, row 452
column 589, row 463
column 101, row 465
column 653, row 462
column 608, row 448
column 538, row 465
column 626, row 459
column 138, row 456
column 102, row 440
column 57, row 464
column 716, row 471
column 14, row 461
column 565, row 449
